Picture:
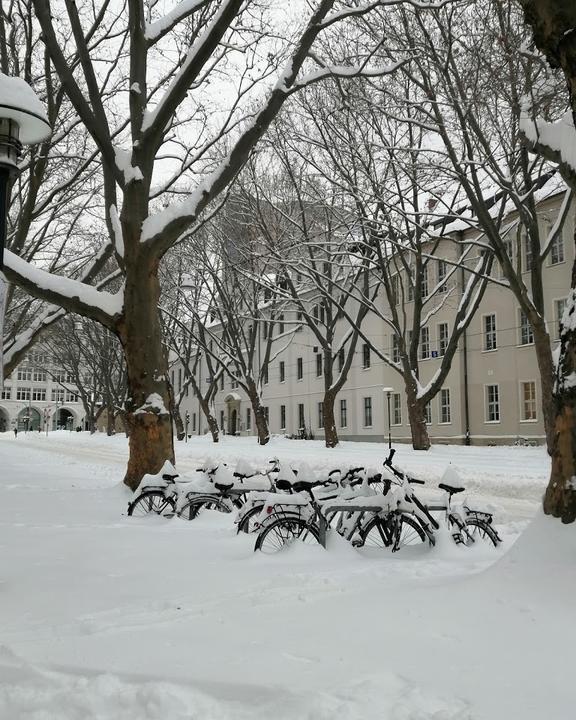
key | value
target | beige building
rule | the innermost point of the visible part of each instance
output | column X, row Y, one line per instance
column 491, row 394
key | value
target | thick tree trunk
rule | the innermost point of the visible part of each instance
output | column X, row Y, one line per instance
column 417, row 419
column 330, row 433
column 110, row 420
column 178, row 422
column 210, row 419
column 151, row 441
column 546, row 368
column 259, row 415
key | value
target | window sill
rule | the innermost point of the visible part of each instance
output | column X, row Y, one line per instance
column 528, row 422
column 490, row 351
column 492, row 422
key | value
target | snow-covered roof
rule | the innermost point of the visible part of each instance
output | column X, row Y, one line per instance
column 20, row 103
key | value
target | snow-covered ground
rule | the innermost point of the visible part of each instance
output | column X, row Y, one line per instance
column 115, row 618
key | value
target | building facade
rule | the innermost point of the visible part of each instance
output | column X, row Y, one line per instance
column 39, row 396
column 491, row 394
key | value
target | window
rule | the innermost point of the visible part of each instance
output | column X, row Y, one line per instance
column 23, row 393
column 24, row 373
column 282, row 371
column 301, row 423
column 193, row 422
column 6, row 393
column 557, row 249
column 396, row 409
column 71, row 397
column 365, row 356
column 428, row 413
column 445, row 406
column 367, row 412
column 410, row 283
column 281, row 324
column 528, row 400
column 39, row 375
column 248, row 419
column 343, row 414
column 57, row 395
column 341, row 360
column 60, row 376
column 39, row 394
column 510, row 251
column 489, row 332
column 442, row 339
column 222, row 419
column 234, row 380
column 528, row 258
column 299, row 369
column 282, row 417
column 492, row 403
column 395, row 281
column 318, row 364
column 442, row 273
column 424, row 343
column 395, row 349
column 320, row 414
column 559, row 307
column 222, row 381
column 69, row 377
column 526, row 334
column 424, row 283
column 315, row 312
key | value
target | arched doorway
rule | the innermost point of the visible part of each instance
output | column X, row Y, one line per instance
column 4, row 420
column 64, row 419
column 29, row 419
column 232, row 401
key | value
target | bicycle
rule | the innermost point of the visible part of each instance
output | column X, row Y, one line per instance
column 412, row 521
column 226, row 495
column 159, row 499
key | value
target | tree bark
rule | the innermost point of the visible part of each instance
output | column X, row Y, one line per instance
column 259, row 414
column 330, row 432
column 417, row 419
column 546, row 368
column 210, row 419
column 151, row 440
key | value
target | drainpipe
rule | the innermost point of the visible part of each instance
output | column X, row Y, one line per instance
column 465, row 364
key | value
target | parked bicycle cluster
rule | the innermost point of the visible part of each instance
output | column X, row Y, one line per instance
column 378, row 509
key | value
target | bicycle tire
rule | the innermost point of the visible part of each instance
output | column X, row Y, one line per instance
column 193, row 507
column 479, row 530
column 248, row 522
column 283, row 532
column 152, row 501
column 379, row 532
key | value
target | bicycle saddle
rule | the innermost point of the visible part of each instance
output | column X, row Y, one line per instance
column 450, row 489
column 304, row 485
column 223, row 487
column 283, row 485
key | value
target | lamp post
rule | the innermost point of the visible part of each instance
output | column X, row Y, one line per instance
column 389, row 391
column 23, row 121
column 186, row 424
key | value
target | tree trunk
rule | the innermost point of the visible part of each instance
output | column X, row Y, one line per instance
column 330, row 433
column 151, row 441
column 560, row 496
column 417, row 418
column 546, row 369
column 110, row 420
column 259, row 415
column 210, row 419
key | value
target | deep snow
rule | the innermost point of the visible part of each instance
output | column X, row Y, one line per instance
column 109, row 617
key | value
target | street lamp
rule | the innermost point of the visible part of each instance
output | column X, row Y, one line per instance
column 186, row 424
column 389, row 391
column 23, row 121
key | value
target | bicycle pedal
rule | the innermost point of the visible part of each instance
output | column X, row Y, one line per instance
column 457, row 538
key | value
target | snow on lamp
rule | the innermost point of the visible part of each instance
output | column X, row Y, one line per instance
column 23, row 121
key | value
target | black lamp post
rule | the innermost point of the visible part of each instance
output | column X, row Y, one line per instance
column 22, row 122
column 389, row 391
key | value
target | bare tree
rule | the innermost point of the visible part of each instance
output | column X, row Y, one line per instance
column 172, row 115
column 553, row 23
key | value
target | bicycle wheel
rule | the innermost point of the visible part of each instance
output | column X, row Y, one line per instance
column 479, row 531
column 193, row 507
column 379, row 532
column 152, row 501
column 248, row 522
column 283, row 532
